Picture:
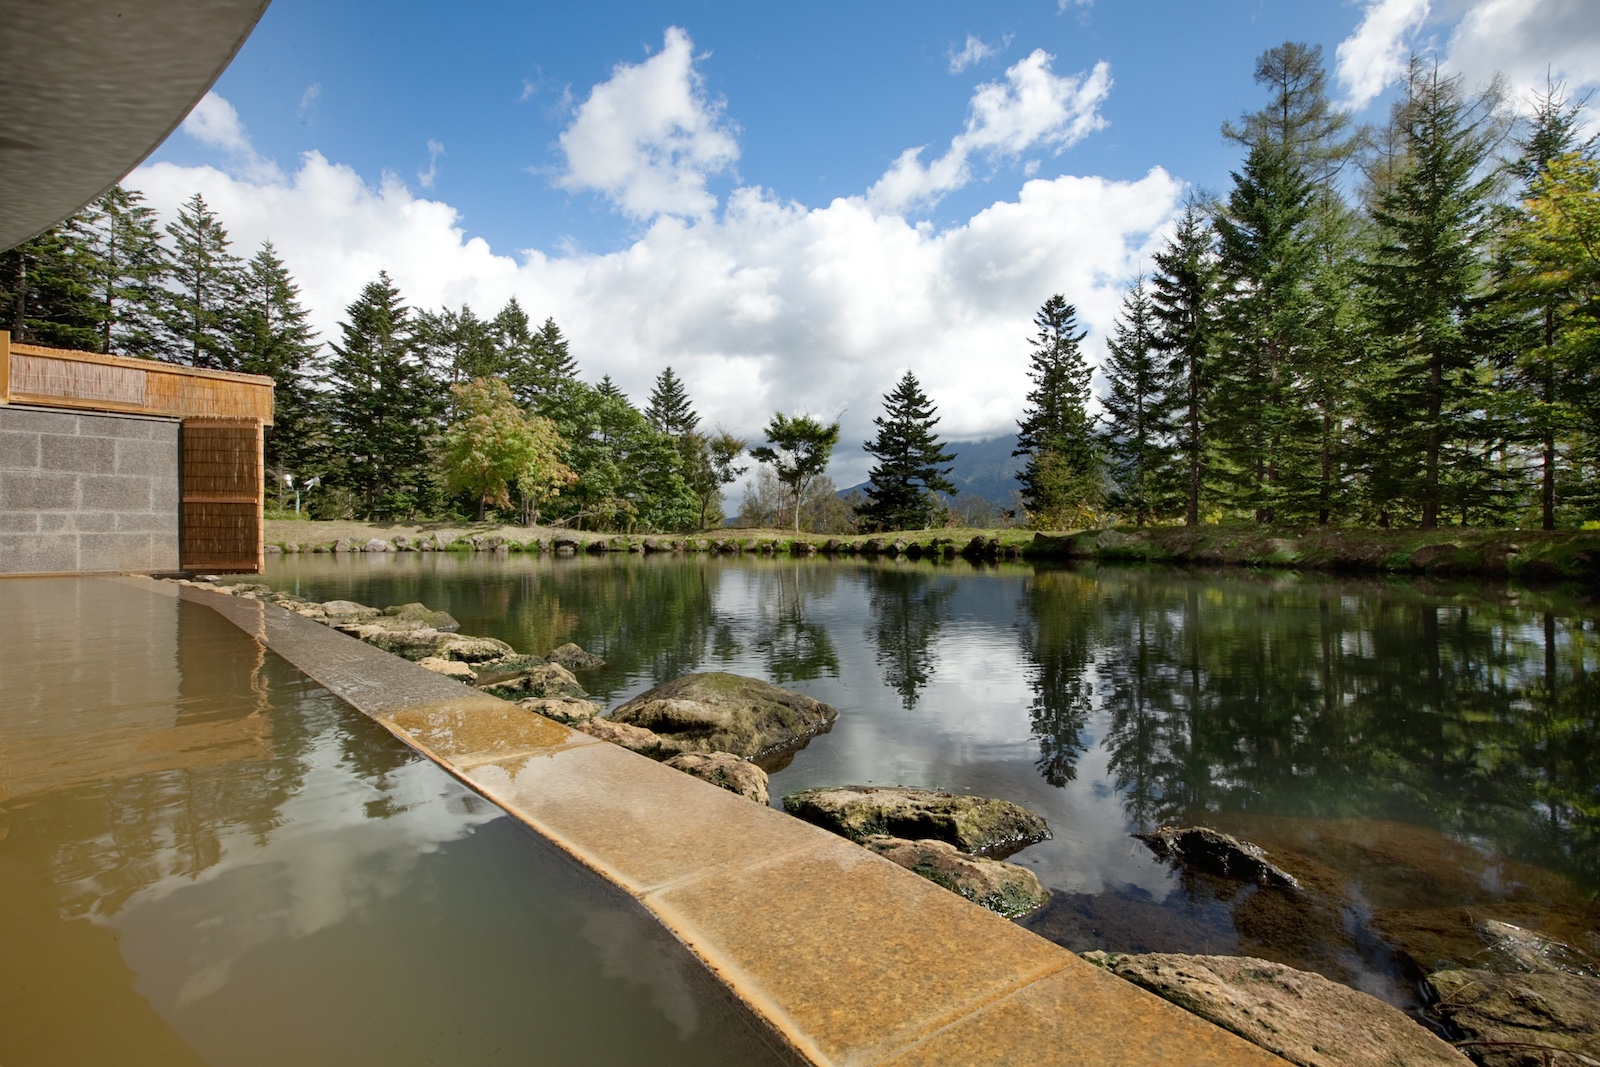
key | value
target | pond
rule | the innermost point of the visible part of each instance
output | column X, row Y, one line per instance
column 1421, row 755
column 207, row 858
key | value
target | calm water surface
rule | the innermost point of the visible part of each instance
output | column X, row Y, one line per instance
column 207, row 859
column 1420, row 755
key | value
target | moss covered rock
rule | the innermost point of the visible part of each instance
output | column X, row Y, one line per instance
column 726, row 771
column 971, row 824
column 1001, row 887
column 718, row 712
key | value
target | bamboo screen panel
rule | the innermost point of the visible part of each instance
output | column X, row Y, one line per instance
column 66, row 378
column 222, row 495
column 61, row 379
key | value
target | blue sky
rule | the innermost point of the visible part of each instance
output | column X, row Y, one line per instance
column 737, row 189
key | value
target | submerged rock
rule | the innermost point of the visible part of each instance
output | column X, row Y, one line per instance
column 569, row 710
column 971, row 824
column 1006, row 888
column 1303, row 1017
column 545, row 680
column 717, row 712
column 1514, row 948
column 725, row 770
column 1217, row 853
column 574, row 658
column 1523, row 1020
column 449, row 668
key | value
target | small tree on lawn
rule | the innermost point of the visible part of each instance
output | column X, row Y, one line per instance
column 912, row 462
column 493, row 444
column 798, row 449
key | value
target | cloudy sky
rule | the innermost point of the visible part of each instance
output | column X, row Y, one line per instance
column 792, row 205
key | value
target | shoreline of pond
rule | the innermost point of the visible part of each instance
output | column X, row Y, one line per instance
column 1527, row 555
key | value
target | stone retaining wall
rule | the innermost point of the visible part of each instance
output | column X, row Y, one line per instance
column 85, row 493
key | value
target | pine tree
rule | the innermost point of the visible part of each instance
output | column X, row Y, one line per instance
column 381, row 406
column 1265, row 263
column 912, row 463
column 559, row 365
column 1136, row 435
column 669, row 410
column 273, row 336
column 1182, row 301
column 47, row 289
column 1426, row 280
column 610, row 390
column 1280, row 348
column 1559, row 241
column 1298, row 118
column 1538, row 294
column 521, row 352
column 204, row 280
column 1061, row 479
column 129, row 268
column 458, row 346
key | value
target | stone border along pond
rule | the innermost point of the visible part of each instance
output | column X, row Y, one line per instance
column 1533, row 555
column 845, row 958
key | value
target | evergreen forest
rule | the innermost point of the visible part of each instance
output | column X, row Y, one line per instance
column 1382, row 327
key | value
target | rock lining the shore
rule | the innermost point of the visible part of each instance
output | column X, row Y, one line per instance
column 1006, row 888
column 969, row 823
column 1547, row 1019
column 1303, row 1017
column 720, row 712
column 726, row 771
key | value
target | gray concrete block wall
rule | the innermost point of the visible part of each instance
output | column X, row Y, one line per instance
column 84, row 492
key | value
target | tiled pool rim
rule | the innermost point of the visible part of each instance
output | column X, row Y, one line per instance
column 846, row 958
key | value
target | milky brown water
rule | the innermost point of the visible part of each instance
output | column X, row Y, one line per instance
column 207, row 859
column 1420, row 755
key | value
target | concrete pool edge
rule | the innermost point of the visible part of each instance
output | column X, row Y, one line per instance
column 843, row 957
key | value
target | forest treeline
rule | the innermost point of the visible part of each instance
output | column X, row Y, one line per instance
column 1391, row 326
column 1372, row 326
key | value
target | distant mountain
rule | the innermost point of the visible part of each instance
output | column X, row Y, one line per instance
column 984, row 469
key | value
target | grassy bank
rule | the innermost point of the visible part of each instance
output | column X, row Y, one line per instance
column 1528, row 554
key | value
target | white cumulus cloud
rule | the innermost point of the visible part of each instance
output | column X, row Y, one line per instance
column 215, row 122
column 649, row 137
column 976, row 50
column 427, row 177
column 1529, row 41
column 1374, row 57
column 769, row 303
column 1032, row 107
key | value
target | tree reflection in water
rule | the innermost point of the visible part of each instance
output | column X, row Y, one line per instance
column 909, row 606
column 796, row 648
column 1309, row 699
column 1058, row 633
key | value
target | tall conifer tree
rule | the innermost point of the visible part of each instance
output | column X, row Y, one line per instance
column 204, row 281
column 1061, row 478
column 1547, row 387
column 1136, row 432
column 669, row 410
column 1183, row 289
column 1426, row 279
column 382, row 406
column 129, row 266
column 912, row 463
column 273, row 336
